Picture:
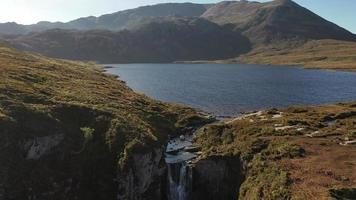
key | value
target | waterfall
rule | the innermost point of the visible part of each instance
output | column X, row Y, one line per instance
column 179, row 152
column 179, row 181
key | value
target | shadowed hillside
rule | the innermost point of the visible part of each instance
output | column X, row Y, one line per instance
column 163, row 40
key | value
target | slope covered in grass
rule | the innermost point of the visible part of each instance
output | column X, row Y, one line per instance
column 315, row 54
column 323, row 54
column 67, row 129
column 275, row 21
column 295, row 153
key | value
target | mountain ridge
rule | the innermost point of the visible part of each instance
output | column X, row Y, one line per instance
column 275, row 20
column 113, row 21
column 122, row 19
column 278, row 23
column 164, row 40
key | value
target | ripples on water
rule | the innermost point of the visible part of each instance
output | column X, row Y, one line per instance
column 228, row 90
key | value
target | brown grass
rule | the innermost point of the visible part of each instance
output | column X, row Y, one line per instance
column 288, row 164
column 327, row 165
column 315, row 54
column 321, row 54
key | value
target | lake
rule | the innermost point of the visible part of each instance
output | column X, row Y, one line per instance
column 229, row 89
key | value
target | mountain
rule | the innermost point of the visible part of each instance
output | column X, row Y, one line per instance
column 179, row 31
column 130, row 18
column 162, row 40
column 261, row 22
column 274, row 21
column 116, row 21
column 12, row 28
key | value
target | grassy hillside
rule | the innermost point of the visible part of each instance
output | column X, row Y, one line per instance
column 275, row 21
column 67, row 125
column 323, row 54
column 315, row 54
column 295, row 153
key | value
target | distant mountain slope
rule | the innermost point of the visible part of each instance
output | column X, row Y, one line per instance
column 116, row 21
column 261, row 22
column 152, row 33
column 129, row 18
column 274, row 21
column 314, row 54
column 12, row 28
column 164, row 40
column 324, row 54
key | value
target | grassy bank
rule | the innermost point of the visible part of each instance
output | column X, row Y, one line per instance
column 320, row 54
column 296, row 153
column 316, row 54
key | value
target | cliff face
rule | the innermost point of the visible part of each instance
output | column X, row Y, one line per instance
column 144, row 177
column 217, row 178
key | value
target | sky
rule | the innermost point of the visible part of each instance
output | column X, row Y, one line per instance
column 341, row 12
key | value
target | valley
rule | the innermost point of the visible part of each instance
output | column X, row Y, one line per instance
column 206, row 101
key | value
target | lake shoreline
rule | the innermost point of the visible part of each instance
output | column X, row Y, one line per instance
column 228, row 91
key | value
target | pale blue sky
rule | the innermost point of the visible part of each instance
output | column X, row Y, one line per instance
column 342, row 12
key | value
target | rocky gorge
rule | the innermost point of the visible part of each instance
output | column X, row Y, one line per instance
column 259, row 155
column 156, row 175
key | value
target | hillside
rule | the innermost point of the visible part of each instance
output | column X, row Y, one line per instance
column 261, row 22
column 185, row 31
column 320, row 54
column 71, row 132
column 294, row 153
column 163, row 40
column 314, row 54
column 275, row 21
column 115, row 21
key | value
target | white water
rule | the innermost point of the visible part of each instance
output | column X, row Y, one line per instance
column 179, row 181
column 180, row 175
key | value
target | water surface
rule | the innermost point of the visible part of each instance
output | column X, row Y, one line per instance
column 229, row 89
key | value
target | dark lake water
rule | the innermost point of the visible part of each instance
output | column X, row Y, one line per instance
column 228, row 90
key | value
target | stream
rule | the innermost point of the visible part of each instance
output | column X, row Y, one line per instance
column 179, row 153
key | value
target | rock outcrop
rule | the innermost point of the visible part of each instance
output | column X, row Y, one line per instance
column 143, row 178
column 217, row 177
